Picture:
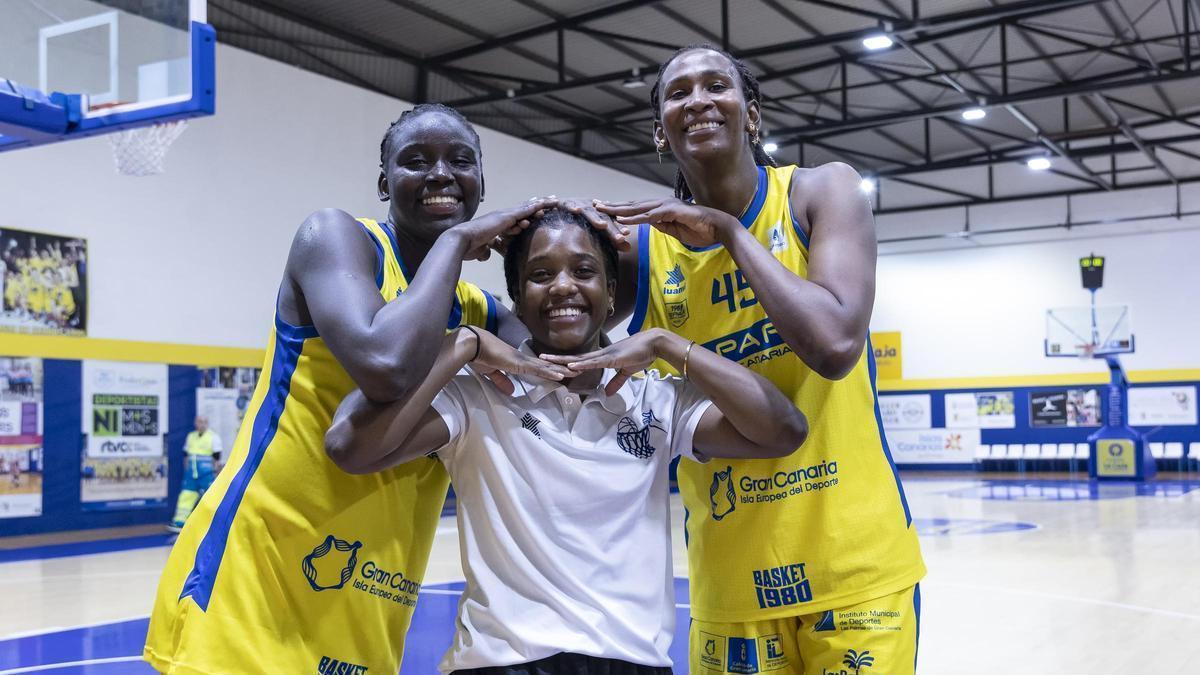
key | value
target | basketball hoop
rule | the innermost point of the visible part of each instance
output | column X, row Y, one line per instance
column 140, row 152
column 1087, row 351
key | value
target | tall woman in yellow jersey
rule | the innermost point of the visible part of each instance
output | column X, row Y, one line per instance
column 288, row 564
column 806, row 564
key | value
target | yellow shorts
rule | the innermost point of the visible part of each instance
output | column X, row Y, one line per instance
column 877, row 636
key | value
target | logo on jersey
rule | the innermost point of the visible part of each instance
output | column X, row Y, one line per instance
column 782, row 586
column 742, row 655
column 676, row 282
column 674, row 289
column 530, row 424
column 776, row 241
column 635, row 440
column 721, row 495
column 677, row 313
column 756, row 344
column 331, row 666
column 322, row 582
column 855, row 661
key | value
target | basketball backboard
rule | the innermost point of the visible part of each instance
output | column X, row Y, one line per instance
column 1089, row 331
column 77, row 68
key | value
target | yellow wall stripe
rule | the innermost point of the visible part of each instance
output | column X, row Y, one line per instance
column 63, row 347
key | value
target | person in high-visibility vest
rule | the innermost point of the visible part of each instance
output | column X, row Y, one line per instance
column 203, row 448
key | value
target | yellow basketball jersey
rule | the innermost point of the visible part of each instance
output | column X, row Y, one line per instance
column 288, row 564
column 826, row 527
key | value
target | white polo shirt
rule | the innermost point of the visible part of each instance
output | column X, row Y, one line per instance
column 563, row 516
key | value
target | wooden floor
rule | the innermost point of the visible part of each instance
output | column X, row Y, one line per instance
column 1027, row 575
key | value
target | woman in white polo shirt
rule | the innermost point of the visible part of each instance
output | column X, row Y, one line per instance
column 562, row 477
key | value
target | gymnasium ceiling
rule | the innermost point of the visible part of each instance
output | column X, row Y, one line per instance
column 1107, row 90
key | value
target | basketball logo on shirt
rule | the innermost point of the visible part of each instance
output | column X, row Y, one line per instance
column 721, row 495
column 635, row 440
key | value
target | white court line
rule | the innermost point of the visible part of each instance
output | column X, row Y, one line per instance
column 56, row 666
column 59, row 629
column 1069, row 598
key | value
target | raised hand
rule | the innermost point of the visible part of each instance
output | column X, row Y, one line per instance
column 696, row 226
column 480, row 233
column 629, row 356
column 497, row 359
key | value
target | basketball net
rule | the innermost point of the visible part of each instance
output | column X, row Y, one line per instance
column 1086, row 351
column 140, row 152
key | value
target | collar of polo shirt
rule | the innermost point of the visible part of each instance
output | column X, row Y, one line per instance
column 536, row 388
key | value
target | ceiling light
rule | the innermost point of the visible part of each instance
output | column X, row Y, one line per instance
column 770, row 147
column 634, row 80
column 876, row 42
column 972, row 114
column 1038, row 163
column 867, row 185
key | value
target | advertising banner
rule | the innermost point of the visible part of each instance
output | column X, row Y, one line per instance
column 1162, row 406
column 981, row 410
column 1065, row 408
column 20, row 437
column 906, row 411
column 43, row 283
column 889, row 362
column 933, row 446
column 124, row 462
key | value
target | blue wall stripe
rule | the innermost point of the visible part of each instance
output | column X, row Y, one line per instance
column 63, row 448
column 85, row 548
column 643, row 280
column 887, row 451
column 199, row 583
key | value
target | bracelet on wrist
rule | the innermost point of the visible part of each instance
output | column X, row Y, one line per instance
column 687, row 355
column 478, row 342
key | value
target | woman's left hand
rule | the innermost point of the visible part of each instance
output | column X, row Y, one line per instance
column 629, row 356
column 696, row 226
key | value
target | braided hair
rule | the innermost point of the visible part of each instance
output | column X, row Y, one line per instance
column 518, row 248
column 417, row 111
column 750, row 91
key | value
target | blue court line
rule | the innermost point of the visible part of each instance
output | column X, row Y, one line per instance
column 113, row 648
column 86, row 547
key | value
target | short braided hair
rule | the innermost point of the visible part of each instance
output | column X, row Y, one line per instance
column 750, row 90
column 518, row 249
column 417, row 111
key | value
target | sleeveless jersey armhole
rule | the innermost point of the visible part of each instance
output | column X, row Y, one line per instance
column 792, row 214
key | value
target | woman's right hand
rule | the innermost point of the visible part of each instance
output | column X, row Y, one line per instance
column 497, row 360
column 480, row 233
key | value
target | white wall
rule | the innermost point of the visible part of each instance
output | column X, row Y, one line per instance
column 981, row 311
column 195, row 255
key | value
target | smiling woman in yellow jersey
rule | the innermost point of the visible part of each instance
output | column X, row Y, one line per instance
column 288, row 564
column 798, row 564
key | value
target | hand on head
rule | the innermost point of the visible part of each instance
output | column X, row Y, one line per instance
column 482, row 233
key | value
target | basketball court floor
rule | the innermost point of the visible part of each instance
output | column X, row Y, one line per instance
column 1028, row 575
